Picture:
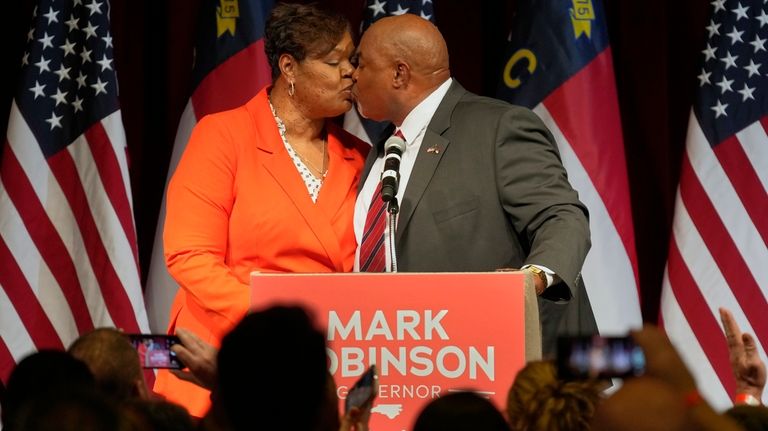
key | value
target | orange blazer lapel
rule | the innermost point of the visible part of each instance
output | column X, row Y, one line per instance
column 278, row 163
column 343, row 175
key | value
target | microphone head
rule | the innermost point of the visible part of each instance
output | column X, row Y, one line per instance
column 394, row 143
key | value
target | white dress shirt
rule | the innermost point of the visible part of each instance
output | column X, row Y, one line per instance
column 413, row 128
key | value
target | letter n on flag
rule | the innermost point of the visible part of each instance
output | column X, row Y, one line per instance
column 230, row 68
column 717, row 253
column 560, row 65
column 68, row 256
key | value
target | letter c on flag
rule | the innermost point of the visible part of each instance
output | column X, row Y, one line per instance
column 514, row 82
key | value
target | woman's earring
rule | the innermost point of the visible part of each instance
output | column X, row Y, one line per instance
column 291, row 89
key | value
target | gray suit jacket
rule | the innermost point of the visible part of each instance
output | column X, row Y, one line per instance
column 488, row 191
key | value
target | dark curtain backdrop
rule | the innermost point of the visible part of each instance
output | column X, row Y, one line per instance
column 656, row 46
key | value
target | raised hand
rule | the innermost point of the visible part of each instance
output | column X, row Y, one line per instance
column 747, row 366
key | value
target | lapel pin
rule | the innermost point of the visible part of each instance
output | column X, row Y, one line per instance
column 434, row 149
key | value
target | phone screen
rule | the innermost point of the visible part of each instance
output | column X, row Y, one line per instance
column 363, row 391
column 155, row 350
column 599, row 357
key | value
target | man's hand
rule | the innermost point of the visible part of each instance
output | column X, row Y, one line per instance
column 747, row 367
column 199, row 357
column 539, row 284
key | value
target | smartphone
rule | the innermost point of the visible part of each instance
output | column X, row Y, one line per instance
column 363, row 391
column 599, row 357
column 155, row 350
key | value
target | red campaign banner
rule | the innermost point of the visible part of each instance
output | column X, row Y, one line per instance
column 429, row 334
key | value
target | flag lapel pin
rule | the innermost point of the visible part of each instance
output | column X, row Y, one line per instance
column 434, row 149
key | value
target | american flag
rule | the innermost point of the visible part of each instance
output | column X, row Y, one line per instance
column 230, row 68
column 560, row 65
column 377, row 9
column 717, row 254
column 369, row 130
column 68, row 257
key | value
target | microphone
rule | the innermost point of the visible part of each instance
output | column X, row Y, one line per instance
column 393, row 149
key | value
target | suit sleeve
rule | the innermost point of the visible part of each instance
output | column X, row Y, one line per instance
column 199, row 203
column 539, row 200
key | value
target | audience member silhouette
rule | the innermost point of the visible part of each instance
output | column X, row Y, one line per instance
column 642, row 404
column 460, row 411
column 750, row 418
column 201, row 360
column 114, row 363
column 329, row 415
column 156, row 415
column 42, row 375
column 71, row 409
column 539, row 400
column 272, row 371
column 665, row 398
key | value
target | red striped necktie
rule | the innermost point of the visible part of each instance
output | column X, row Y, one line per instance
column 372, row 255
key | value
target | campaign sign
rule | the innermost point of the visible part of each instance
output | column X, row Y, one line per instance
column 429, row 334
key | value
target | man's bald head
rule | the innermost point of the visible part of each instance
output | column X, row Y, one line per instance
column 414, row 40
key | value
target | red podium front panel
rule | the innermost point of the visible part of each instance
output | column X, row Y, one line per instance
column 428, row 334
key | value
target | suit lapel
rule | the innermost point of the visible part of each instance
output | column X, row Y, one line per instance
column 277, row 162
column 427, row 160
column 423, row 170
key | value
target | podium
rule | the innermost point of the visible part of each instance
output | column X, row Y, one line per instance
column 429, row 334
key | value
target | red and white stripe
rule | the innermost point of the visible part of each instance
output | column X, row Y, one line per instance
column 68, row 256
column 583, row 116
column 231, row 84
column 718, row 255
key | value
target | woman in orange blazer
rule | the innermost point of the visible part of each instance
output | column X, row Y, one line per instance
column 269, row 186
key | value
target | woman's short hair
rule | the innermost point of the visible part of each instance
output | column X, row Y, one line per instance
column 539, row 400
column 301, row 31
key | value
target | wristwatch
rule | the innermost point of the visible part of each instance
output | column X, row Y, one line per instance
column 538, row 272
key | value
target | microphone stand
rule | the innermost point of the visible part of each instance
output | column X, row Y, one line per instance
column 392, row 210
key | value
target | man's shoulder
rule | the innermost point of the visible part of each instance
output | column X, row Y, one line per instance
column 474, row 105
column 466, row 110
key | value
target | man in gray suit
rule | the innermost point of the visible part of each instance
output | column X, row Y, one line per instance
column 482, row 186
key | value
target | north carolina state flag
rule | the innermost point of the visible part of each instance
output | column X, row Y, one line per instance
column 230, row 68
column 560, row 65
